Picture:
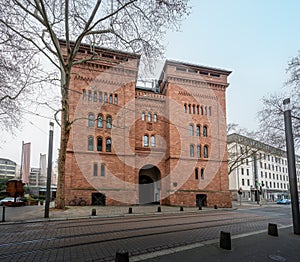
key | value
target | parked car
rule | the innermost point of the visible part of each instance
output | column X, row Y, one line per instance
column 283, row 201
column 10, row 201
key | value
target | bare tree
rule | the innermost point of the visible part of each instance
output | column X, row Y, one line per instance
column 271, row 116
column 133, row 25
column 235, row 128
column 241, row 149
column 235, row 154
column 17, row 70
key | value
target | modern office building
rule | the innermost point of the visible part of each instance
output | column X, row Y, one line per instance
column 257, row 168
column 8, row 169
column 146, row 141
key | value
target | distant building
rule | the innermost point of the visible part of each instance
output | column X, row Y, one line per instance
column 257, row 169
column 34, row 176
column 38, row 176
column 43, row 170
column 8, row 168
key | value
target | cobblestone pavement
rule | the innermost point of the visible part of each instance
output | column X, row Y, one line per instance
column 98, row 238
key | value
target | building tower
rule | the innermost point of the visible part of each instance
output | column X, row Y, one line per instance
column 155, row 141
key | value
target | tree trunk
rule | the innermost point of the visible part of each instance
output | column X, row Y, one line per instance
column 65, row 134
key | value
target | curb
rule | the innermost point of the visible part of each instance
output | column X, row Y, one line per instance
column 55, row 219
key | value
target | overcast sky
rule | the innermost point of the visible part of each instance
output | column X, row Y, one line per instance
column 255, row 39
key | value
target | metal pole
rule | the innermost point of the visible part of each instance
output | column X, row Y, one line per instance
column 256, row 179
column 291, row 165
column 21, row 169
column 3, row 214
column 49, row 169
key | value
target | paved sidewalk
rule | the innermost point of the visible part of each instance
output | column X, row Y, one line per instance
column 36, row 213
column 258, row 247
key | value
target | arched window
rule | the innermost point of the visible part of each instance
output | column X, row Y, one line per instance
column 149, row 117
column 95, row 96
column 201, row 110
column 108, row 144
column 116, row 99
column 95, row 169
column 191, row 150
column 185, row 108
column 83, row 94
column 202, row 173
column 193, row 109
column 102, row 169
column 91, row 120
column 153, row 142
column 197, row 110
column 205, row 151
column 108, row 122
column 90, row 143
column 189, row 108
column 110, row 98
column 90, row 95
column 205, row 110
column 191, row 127
column 146, row 140
column 143, row 116
column 99, row 143
column 198, row 151
column 205, row 131
column 155, row 118
column 198, row 130
column 196, row 173
column 209, row 111
column 100, row 96
column 105, row 97
column 100, row 121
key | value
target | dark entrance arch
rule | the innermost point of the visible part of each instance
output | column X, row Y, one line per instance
column 201, row 200
column 98, row 199
column 149, row 185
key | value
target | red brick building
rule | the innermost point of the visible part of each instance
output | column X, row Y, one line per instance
column 135, row 142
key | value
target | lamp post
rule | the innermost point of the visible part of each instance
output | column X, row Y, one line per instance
column 291, row 165
column 49, row 169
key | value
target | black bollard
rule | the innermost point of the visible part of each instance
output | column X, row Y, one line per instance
column 94, row 212
column 181, row 208
column 130, row 210
column 225, row 240
column 215, row 207
column 200, row 207
column 158, row 209
column 3, row 214
column 272, row 230
column 122, row 256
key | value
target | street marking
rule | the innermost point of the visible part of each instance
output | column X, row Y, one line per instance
column 196, row 245
column 165, row 252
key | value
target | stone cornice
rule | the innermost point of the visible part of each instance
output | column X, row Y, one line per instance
column 161, row 99
column 109, row 68
column 185, row 93
column 147, row 105
column 198, row 83
column 99, row 80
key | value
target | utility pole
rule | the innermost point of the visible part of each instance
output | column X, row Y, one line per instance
column 49, row 169
column 291, row 165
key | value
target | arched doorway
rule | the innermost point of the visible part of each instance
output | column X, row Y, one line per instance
column 201, row 200
column 98, row 199
column 149, row 185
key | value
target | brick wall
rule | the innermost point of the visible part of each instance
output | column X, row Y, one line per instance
column 186, row 99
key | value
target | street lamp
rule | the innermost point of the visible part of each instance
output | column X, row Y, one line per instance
column 49, row 169
column 291, row 165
